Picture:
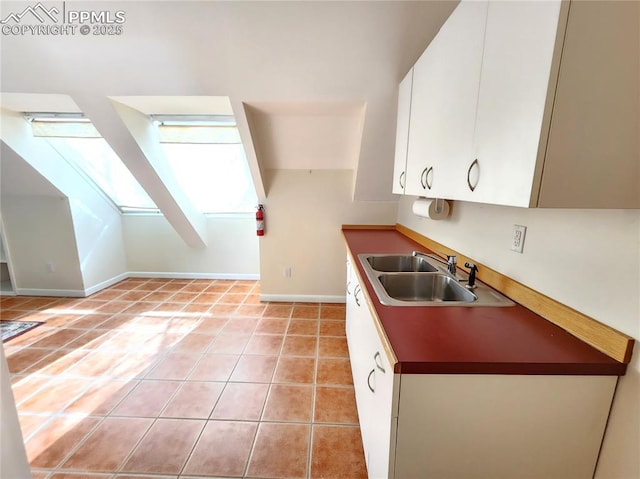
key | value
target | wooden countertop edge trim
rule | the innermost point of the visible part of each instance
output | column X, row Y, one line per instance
column 391, row 356
column 368, row 227
column 604, row 338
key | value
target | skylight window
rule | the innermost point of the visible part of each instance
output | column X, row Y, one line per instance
column 78, row 142
column 208, row 160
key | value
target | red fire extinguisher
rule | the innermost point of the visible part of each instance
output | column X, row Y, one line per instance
column 260, row 221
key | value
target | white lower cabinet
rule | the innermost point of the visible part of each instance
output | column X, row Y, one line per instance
column 459, row 426
column 501, row 426
column 373, row 380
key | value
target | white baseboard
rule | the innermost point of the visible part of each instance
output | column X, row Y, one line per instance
column 301, row 298
column 6, row 288
column 71, row 293
column 231, row 276
column 276, row 298
column 105, row 284
column 78, row 293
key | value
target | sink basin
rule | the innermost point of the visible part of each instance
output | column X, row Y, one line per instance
column 400, row 263
column 425, row 287
column 407, row 280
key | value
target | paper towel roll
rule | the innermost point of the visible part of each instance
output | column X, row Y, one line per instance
column 432, row 209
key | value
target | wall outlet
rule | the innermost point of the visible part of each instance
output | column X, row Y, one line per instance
column 50, row 267
column 517, row 243
column 286, row 272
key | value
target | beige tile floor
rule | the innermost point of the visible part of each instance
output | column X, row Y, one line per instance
column 184, row 378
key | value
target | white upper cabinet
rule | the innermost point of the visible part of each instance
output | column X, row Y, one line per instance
column 593, row 150
column 518, row 52
column 402, row 134
column 445, row 91
column 531, row 104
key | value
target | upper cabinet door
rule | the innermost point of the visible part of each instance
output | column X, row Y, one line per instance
column 510, row 131
column 402, row 134
column 445, row 91
column 593, row 152
column 529, row 103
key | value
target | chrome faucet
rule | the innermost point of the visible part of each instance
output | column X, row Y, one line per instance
column 451, row 264
column 425, row 255
column 430, row 256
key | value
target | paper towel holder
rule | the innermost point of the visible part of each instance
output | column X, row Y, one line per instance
column 432, row 208
column 439, row 203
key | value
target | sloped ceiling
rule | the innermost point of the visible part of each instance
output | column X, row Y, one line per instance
column 256, row 53
column 178, row 105
column 129, row 133
column 307, row 135
column 19, row 178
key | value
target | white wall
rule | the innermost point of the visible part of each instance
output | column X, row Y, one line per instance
column 98, row 231
column 304, row 212
column 586, row 259
column 13, row 457
column 39, row 230
column 153, row 246
column 95, row 222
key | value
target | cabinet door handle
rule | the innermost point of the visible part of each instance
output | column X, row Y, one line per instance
column 348, row 292
column 372, row 389
column 402, row 175
column 355, row 294
column 426, row 174
column 473, row 186
column 378, row 360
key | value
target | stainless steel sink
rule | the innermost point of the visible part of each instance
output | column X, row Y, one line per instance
column 409, row 280
column 400, row 263
column 424, row 287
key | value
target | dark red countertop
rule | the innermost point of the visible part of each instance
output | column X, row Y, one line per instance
column 472, row 340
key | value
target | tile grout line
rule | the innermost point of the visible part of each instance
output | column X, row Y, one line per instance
column 195, row 443
column 109, row 415
column 255, row 436
column 62, row 411
column 185, row 377
column 206, row 420
column 77, row 446
column 316, row 359
column 171, row 397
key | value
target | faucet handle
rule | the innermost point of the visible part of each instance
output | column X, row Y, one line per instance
column 451, row 259
column 473, row 269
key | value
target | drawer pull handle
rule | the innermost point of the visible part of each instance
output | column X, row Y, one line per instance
column 428, row 174
column 477, row 164
column 369, row 380
column 424, row 178
column 378, row 360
